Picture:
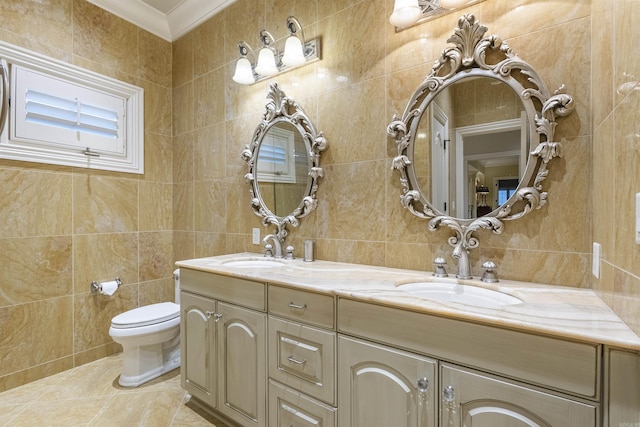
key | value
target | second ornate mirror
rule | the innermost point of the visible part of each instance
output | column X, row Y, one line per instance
column 284, row 165
column 475, row 139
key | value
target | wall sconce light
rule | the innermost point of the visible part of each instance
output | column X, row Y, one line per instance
column 407, row 13
column 244, row 70
column 266, row 65
column 270, row 61
column 293, row 48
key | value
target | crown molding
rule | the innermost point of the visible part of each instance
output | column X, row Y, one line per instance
column 171, row 26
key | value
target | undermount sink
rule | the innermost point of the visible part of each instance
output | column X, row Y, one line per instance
column 253, row 263
column 461, row 294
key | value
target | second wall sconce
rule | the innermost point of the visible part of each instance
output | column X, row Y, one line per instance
column 407, row 13
column 269, row 62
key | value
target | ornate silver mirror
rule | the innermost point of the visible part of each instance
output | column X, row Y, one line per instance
column 475, row 139
column 284, row 165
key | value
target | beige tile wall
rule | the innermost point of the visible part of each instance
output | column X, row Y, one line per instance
column 63, row 227
column 367, row 73
column 616, row 153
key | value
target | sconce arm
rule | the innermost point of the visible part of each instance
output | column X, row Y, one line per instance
column 294, row 26
column 244, row 49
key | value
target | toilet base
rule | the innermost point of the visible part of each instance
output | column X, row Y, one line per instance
column 144, row 363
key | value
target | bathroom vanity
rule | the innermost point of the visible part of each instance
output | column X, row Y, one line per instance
column 269, row 342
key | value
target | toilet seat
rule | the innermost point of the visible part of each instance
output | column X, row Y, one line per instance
column 146, row 315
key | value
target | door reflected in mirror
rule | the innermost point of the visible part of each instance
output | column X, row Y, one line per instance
column 283, row 168
column 471, row 147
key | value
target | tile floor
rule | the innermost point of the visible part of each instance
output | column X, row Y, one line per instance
column 89, row 395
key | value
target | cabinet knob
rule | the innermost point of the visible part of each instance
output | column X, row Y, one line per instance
column 216, row 316
column 448, row 394
column 423, row 401
column 423, row 385
column 449, row 399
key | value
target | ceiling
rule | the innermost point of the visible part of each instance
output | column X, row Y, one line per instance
column 168, row 19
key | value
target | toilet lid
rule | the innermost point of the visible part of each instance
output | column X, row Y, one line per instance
column 146, row 315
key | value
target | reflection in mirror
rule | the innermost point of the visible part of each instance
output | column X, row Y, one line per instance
column 476, row 138
column 471, row 147
column 283, row 169
column 284, row 165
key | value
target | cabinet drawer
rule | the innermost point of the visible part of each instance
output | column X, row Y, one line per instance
column 290, row 408
column 242, row 292
column 303, row 357
column 302, row 306
column 549, row 362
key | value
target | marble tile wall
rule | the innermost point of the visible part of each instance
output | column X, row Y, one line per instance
column 367, row 74
column 616, row 154
column 63, row 227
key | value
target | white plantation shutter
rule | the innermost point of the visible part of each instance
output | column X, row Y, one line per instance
column 273, row 156
column 65, row 115
column 276, row 161
column 52, row 111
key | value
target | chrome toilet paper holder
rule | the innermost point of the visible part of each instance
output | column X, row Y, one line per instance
column 97, row 287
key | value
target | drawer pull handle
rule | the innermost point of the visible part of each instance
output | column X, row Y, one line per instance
column 297, row 306
column 295, row 361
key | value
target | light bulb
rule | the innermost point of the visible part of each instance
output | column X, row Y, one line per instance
column 244, row 73
column 266, row 65
column 293, row 54
column 453, row 4
column 405, row 13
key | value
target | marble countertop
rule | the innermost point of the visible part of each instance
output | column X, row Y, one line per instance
column 551, row 310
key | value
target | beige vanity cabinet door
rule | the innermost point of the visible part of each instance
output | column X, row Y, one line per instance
column 197, row 341
column 381, row 387
column 473, row 399
column 623, row 386
column 242, row 378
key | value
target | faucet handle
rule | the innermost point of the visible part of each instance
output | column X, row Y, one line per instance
column 289, row 254
column 440, row 271
column 489, row 275
column 268, row 250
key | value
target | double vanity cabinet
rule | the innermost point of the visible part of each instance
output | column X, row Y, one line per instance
column 262, row 350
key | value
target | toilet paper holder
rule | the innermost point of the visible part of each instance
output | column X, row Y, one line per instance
column 97, row 287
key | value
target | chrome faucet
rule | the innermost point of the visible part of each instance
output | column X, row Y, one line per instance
column 276, row 244
column 461, row 254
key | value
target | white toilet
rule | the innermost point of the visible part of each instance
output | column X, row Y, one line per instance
column 150, row 339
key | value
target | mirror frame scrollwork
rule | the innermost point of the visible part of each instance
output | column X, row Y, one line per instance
column 475, row 54
column 280, row 108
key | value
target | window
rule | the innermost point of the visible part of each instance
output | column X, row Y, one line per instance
column 276, row 161
column 506, row 188
column 62, row 114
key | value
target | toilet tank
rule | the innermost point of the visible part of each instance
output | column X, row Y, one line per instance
column 176, row 280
